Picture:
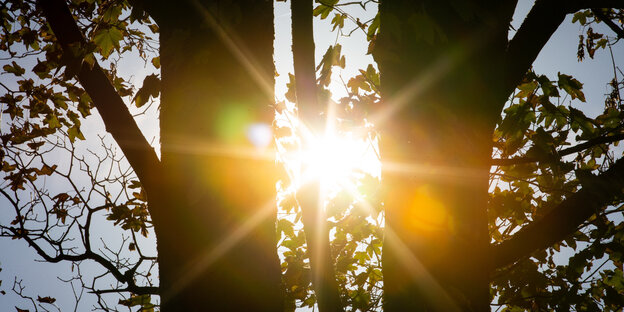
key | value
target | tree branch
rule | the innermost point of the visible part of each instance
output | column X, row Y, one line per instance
column 564, row 219
column 314, row 218
column 138, row 290
column 117, row 119
column 304, row 63
column 127, row 277
column 577, row 5
column 566, row 151
column 539, row 25
column 537, row 28
column 619, row 31
column 154, row 9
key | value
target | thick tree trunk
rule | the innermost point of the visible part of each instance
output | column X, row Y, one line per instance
column 445, row 62
column 214, row 214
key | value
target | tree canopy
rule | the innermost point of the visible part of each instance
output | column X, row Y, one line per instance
column 447, row 174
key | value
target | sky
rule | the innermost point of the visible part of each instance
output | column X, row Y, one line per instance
column 559, row 55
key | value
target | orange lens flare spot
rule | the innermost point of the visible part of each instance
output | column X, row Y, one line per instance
column 426, row 213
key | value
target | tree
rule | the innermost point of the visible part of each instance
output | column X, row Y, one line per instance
column 194, row 217
column 466, row 231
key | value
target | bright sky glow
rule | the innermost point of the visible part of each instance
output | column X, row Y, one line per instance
column 338, row 159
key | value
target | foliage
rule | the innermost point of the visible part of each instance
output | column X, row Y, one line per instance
column 547, row 145
column 553, row 149
column 59, row 207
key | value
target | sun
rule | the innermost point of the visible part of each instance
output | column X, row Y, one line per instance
column 337, row 159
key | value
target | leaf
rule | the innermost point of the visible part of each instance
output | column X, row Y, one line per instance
column 338, row 21
column 291, row 94
column 84, row 105
column 107, row 40
column 547, row 86
column 52, row 121
column 138, row 300
column 140, row 195
column 73, row 133
column 571, row 86
column 156, row 61
column 372, row 29
column 46, row 170
column 324, row 8
column 35, row 145
column 285, row 226
column 46, row 299
column 21, row 310
column 332, row 57
column 581, row 17
column 14, row 69
column 150, row 88
column 111, row 14
column 134, row 184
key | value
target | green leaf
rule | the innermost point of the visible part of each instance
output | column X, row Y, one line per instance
column 526, row 89
column 156, row 61
column 138, row 300
column 581, row 17
column 338, row 21
column 73, row 133
column 372, row 29
column 52, row 121
column 571, row 86
column 324, row 8
column 107, row 40
column 112, row 13
column 547, row 86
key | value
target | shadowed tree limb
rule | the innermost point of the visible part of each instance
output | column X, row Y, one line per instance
column 126, row 277
column 564, row 219
column 115, row 114
column 155, row 9
column 566, row 151
column 537, row 28
column 314, row 218
column 619, row 31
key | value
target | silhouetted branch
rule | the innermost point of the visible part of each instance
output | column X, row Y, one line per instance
column 564, row 219
column 566, row 151
column 153, row 8
column 537, row 28
column 304, row 63
column 539, row 25
column 110, row 105
column 314, row 218
column 619, row 31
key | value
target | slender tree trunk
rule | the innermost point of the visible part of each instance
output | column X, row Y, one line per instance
column 214, row 214
column 314, row 217
column 443, row 63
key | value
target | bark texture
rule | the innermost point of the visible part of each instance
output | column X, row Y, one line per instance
column 441, row 64
column 215, row 214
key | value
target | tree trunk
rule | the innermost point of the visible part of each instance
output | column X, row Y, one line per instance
column 215, row 213
column 443, row 62
column 313, row 213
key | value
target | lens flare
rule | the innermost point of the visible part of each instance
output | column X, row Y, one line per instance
column 336, row 160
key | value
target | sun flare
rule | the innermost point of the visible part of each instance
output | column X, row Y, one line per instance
column 336, row 159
